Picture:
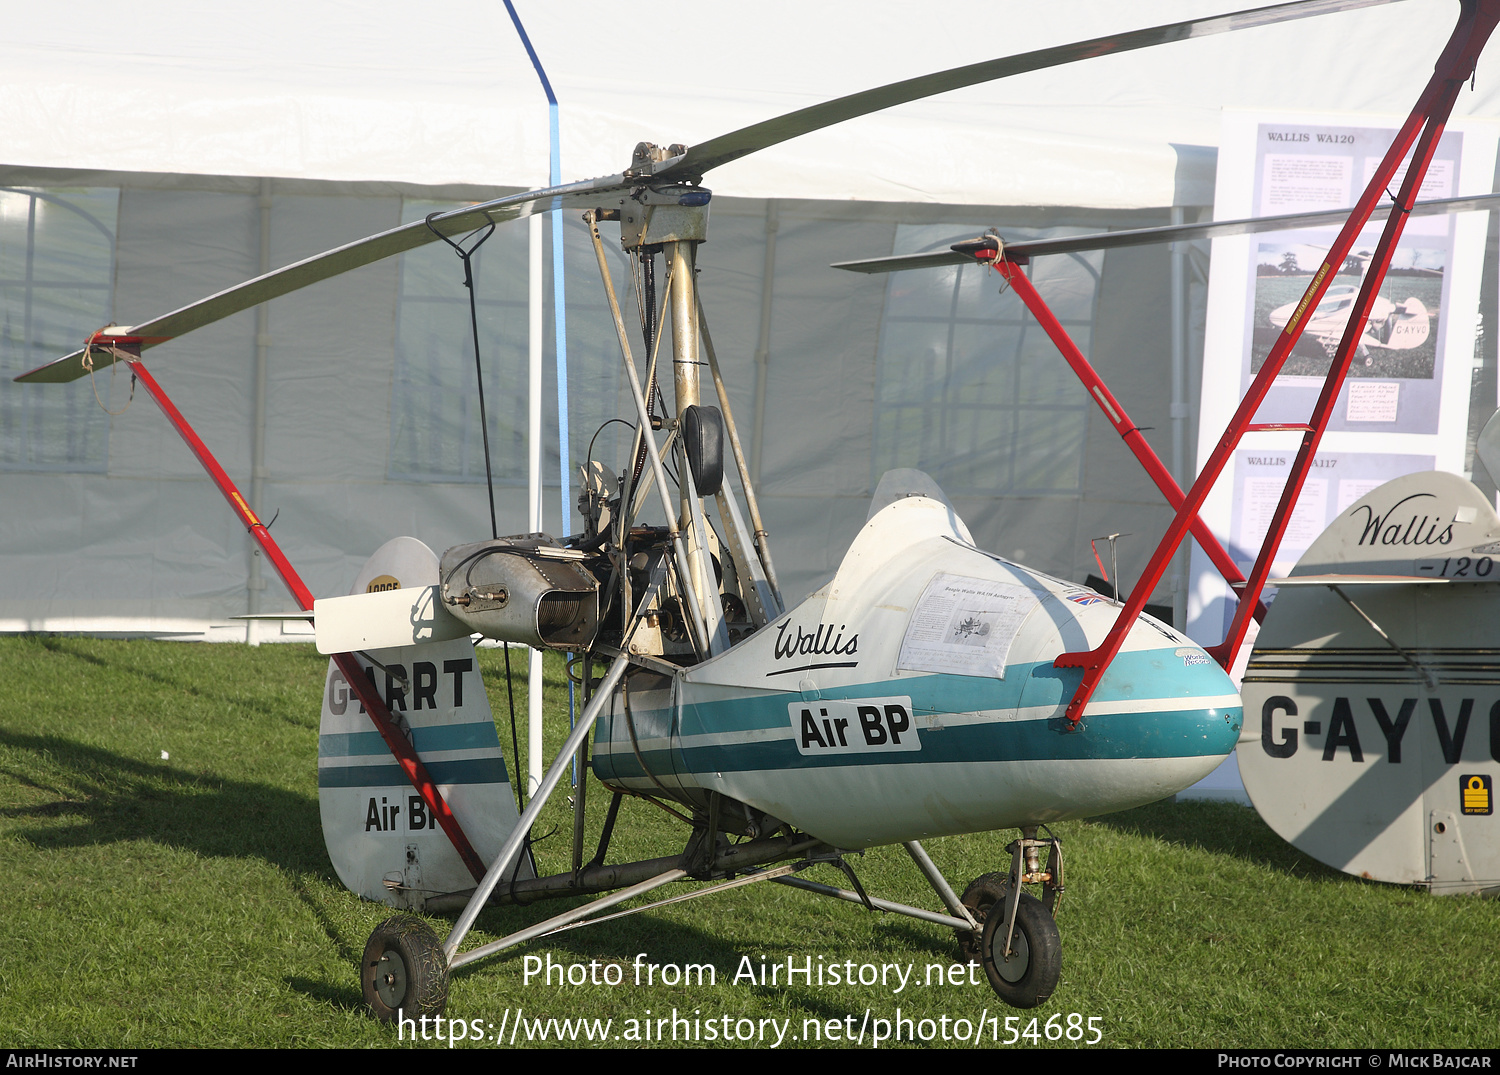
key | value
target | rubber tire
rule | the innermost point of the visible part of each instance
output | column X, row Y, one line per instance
column 982, row 893
column 408, row 955
column 1036, row 941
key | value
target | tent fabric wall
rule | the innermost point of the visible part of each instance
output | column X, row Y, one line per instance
column 148, row 544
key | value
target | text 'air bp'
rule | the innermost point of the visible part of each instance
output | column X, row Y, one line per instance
column 853, row 726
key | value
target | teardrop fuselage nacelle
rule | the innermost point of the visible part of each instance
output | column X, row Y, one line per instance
column 915, row 696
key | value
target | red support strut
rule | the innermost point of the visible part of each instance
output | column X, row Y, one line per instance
column 1129, row 432
column 375, row 707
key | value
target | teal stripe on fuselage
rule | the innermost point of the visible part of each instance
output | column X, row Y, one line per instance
column 1114, row 736
column 474, row 735
column 1129, row 679
column 1164, row 733
column 471, row 771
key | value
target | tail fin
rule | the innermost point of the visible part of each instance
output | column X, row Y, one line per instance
column 381, row 838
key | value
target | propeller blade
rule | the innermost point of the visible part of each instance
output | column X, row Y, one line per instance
column 704, row 156
column 330, row 263
column 1169, row 233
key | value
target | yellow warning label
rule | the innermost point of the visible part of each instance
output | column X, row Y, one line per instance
column 245, row 508
column 1312, row 289
column 1475, row 789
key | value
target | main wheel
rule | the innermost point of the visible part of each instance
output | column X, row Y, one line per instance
column 404, row 973
column 1030, row 974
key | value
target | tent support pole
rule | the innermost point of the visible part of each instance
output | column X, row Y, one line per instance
column 256, row 583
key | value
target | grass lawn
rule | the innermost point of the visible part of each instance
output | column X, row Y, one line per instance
column 187, row 901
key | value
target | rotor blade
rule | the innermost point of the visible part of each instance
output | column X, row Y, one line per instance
column 689, row 166
column 329, row 263
column 704, row 156
column 933, row 259
column 1170, row 233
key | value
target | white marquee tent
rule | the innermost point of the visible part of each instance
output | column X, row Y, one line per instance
column 152, row 157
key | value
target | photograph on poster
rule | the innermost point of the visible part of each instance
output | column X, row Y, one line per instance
column 1398, row 341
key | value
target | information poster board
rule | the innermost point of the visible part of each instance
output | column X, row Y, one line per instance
column 1405, row 405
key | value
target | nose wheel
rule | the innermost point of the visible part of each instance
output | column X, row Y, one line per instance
column 1025, row 975
column 404, row 973
column 1018, row 943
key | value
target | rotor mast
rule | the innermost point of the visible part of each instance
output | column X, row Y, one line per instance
column 682, row 258
column 673, row 218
